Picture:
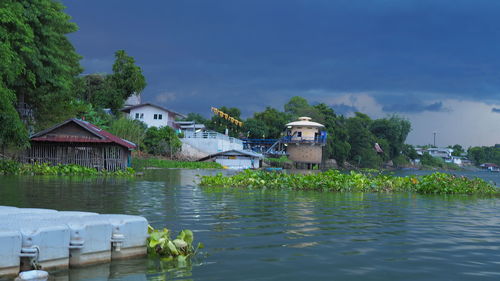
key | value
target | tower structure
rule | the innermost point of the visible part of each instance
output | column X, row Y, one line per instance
column 305, row 140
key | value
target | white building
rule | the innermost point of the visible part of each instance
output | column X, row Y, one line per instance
column 236, row 159
column 153, row 115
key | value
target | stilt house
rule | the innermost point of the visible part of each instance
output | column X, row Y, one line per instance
column 79, row 142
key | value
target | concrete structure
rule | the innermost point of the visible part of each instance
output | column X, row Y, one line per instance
column 201, row 144
column 236, row 159
column 153, row 115
column 58, row 240
column 305, row 141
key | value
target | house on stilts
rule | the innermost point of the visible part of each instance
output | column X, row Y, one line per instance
column 79, row 142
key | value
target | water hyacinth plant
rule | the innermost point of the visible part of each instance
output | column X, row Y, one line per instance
column 160, row 244
column 9, row 167
column 333, row 180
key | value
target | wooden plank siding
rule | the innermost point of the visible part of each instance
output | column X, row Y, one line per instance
column 101, row 156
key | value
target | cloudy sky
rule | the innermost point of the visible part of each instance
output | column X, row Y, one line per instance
column 436, row 63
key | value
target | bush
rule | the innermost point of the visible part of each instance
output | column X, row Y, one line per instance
column 162, row 141
column 131, row 130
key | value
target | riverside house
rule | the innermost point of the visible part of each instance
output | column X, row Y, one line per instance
column 153, row 115
column 75, row 141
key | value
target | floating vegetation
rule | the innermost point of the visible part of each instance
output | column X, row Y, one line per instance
column 140, row 163
column 10, row 167
column 160, row 244
column 333, row 180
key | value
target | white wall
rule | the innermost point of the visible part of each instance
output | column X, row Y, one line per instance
column 211, row 146
column 148, row 113
column 238, row 163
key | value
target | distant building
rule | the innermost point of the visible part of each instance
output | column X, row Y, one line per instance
column 190, row 126
column 305, row 141
column 153, row 115
column 79, row 142
column 236, row 159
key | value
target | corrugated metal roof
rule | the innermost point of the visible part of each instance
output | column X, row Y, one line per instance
column 103, row 136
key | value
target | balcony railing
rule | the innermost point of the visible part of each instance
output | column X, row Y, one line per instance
column 312, row 140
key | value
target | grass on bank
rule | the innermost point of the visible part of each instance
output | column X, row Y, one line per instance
column 333, row 180
column 141, row 163
column 10, row 167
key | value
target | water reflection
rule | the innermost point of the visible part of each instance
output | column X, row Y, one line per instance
column 283, row 235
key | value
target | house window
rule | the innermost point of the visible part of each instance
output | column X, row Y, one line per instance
column 137, row 116
column 299, row 134
column 159, row 116
column 142, row 115
column 155, row 116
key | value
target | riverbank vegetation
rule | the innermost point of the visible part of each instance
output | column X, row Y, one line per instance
column 160, row 244
column 333, row 180
column 142, row 163
column 10, row 167
column 351, row 139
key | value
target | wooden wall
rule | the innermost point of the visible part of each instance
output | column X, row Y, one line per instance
column 99, row 156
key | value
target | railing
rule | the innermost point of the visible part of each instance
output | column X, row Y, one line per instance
column 294, row 139
column 211, row 135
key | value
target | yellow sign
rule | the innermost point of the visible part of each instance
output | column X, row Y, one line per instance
column 226, row 116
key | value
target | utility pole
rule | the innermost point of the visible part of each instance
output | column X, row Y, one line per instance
column 435, row 138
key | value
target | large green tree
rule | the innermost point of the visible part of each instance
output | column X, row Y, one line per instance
column 44, row 60
column 112, row 90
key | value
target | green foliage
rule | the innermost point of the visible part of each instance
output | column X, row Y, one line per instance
column 457, row 150
column 220, row 124
column 37, row 63
column 160, row 244
column 12, row 130
column 162, row 141
column 111, row 91
column 196, row 117
column 141, row 163
column 9, row 167
column 131, row 130
column 484, row 154
column 88, row 112
column 272, row 121
column 333, row 180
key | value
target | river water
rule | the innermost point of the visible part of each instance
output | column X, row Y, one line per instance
column 277, row 235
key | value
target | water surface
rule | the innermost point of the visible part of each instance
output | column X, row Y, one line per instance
column 283, row 235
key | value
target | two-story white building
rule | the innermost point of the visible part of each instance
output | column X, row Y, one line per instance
column 153, row 115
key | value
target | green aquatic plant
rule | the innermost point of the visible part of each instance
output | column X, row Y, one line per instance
column 9, row 167
column 333, row 180
column 160, row 244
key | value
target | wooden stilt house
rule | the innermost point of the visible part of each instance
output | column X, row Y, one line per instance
column 79, row 142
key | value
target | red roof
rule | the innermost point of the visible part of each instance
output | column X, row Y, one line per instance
column 102, row 135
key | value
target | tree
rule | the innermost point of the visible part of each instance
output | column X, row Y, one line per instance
column 220, row 124
column 42, row 63
column 457, row 150
column 255, row 128
column 131, row 130
column 273, row 120
column 162, row 141
column 196, row 117
column 394, row 131
column 127, row 77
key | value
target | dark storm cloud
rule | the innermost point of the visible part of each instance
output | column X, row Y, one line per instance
column 256, row 53
column 414, row 107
